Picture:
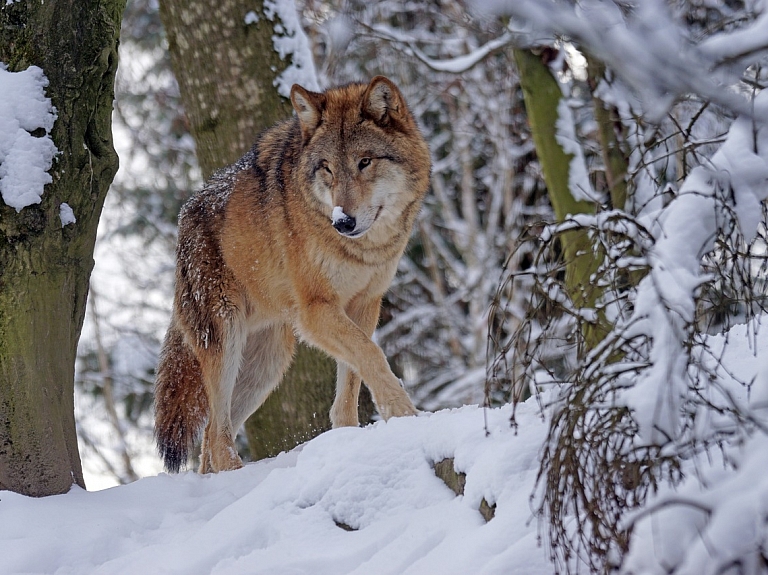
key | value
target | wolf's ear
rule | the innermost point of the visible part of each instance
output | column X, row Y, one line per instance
column 309, row 108
column 383, row 101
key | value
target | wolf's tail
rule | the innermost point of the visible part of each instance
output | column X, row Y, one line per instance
column 181, row 405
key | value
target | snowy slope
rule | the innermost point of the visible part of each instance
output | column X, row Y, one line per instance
column 280, row 516
column 285, row 516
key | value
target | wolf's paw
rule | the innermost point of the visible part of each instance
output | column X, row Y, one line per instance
column 223, row 459
column 227, row 464
column 205, row 462
column 398, row 407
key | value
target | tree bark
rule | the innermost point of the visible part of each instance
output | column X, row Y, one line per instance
column 227, row 89
column 225, row 69
column 45, row 268
column 542, row 96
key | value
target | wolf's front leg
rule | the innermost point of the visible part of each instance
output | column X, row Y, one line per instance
column 364, row 311
column 220, row 368
column 326, row 326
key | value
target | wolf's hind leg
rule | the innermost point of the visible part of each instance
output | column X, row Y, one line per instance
column 205, row 454
column 220, row 374
column 267, row 355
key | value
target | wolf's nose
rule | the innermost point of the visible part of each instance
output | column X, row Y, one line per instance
column 345, row 225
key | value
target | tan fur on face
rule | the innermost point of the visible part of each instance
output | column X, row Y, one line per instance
column 259, row 260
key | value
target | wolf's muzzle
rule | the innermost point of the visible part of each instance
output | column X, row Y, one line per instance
column 345, row 225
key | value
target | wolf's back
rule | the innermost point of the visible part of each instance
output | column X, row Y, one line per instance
column 181, row 406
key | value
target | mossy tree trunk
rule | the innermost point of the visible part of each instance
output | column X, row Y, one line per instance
column 542, row 96
column 44, row 268
column 226, row 69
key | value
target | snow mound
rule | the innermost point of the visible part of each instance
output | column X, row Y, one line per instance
column 292, row 514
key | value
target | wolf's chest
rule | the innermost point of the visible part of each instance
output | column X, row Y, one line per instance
column 348, row 278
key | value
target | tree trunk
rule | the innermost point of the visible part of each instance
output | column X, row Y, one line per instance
column 227, row 89
column 225, row 69
column 44, row 267
column 542, row 96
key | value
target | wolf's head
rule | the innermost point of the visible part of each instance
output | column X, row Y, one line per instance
column 364, row 161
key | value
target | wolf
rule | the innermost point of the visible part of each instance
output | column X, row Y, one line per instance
column 299, row 238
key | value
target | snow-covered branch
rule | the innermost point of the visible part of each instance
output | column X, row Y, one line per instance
column 462, row 63
column 642, row 44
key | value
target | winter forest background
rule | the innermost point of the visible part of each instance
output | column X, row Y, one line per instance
column 594, row 239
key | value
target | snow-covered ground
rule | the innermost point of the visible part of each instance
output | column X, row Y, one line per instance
column 282, row 516
column 293, row 514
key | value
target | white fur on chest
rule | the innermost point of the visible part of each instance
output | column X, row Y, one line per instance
column 348, row 278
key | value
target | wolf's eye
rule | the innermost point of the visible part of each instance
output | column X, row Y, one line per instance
column 364, row 163
column 324, row 165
